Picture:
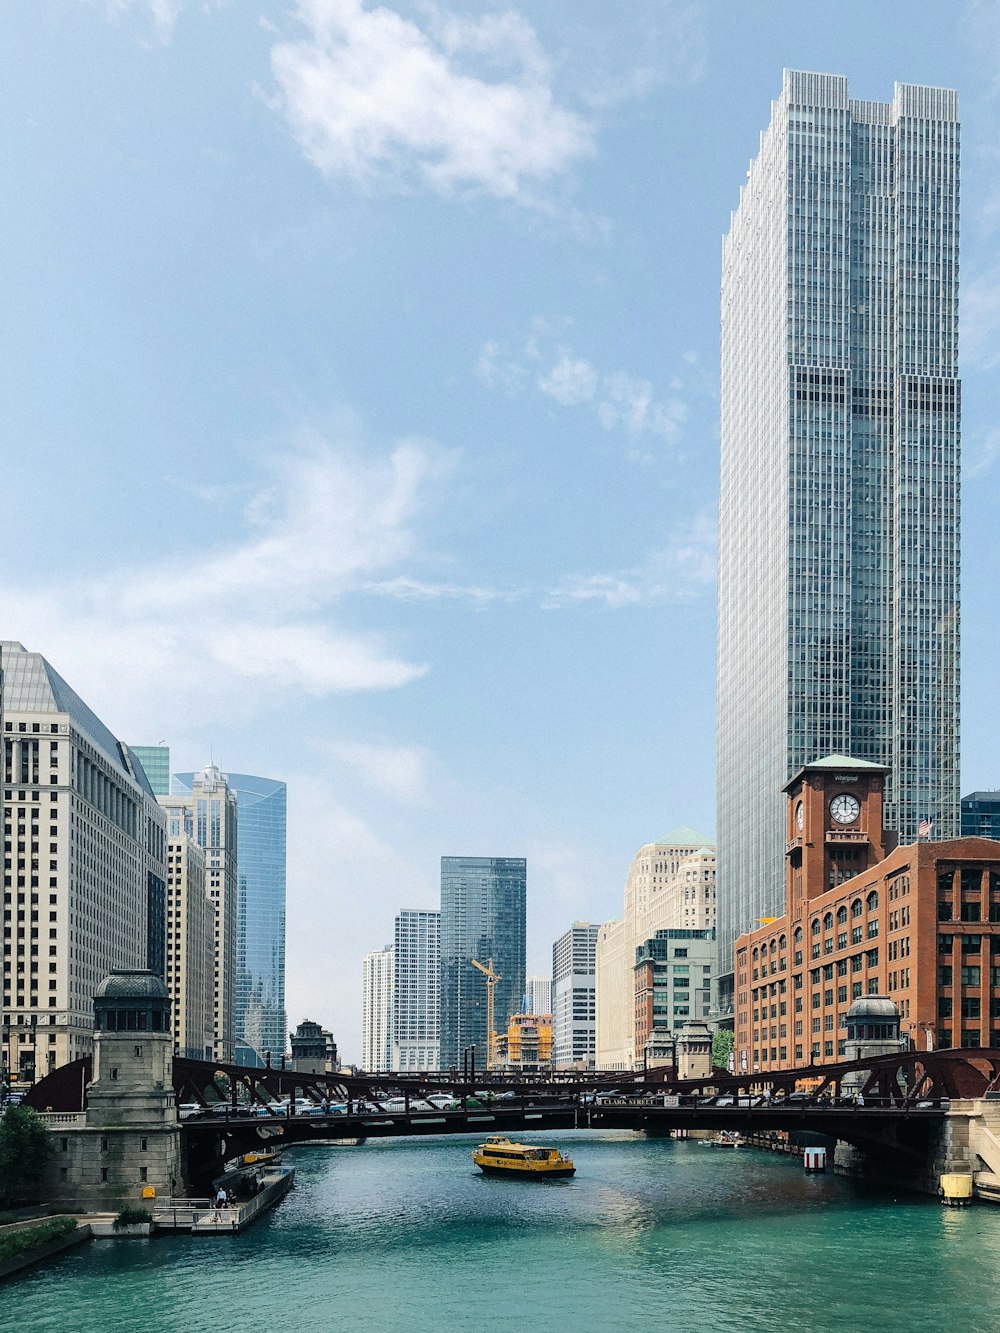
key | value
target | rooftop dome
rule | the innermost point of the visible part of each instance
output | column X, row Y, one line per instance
column 128, row 983
column 873, row 1006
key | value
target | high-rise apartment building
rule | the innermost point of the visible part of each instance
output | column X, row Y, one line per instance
column 376, row 1011
column 538, row 995
column 84, row 865
column 981, row 814
column 482, row 917
column 206, row 811
column 839, row 508
column 670, row 885
column 260, row 912
column 416, row 987
column 574, row 997
column 190, row 969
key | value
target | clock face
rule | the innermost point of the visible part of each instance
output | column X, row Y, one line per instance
column 845, row 809
column 799, row 816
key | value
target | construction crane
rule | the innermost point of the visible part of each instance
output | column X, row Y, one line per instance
column 491, row 980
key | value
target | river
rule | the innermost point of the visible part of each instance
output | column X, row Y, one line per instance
column 403, row 1235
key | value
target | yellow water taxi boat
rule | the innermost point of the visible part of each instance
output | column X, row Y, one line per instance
column 498, row 1156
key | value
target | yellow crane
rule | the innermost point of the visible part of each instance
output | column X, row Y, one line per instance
column 491, row 980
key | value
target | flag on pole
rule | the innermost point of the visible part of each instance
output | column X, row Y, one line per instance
column 924, row 829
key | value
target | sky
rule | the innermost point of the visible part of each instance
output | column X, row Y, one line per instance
column 359, row 410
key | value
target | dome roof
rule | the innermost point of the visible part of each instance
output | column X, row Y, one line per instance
column 873, row 1006
column 127, row 983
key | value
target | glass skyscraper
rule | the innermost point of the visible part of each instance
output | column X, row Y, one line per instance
column 416, row 1004
column 260, row 911
column 839, row 509
column 482, row 917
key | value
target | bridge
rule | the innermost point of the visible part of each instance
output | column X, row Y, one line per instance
column 897, row 1114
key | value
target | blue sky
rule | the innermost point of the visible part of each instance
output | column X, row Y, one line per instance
column 359, row 409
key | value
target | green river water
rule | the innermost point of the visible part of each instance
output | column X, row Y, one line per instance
column 404, row 1235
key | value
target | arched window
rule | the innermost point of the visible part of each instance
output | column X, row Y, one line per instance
column 782, row 943
column 774, row 946
column 856, row 907
column 798, row 935
column 841, row 916
column 756, row 954
column 828, row 921
column 815, row 925
column 872, row 901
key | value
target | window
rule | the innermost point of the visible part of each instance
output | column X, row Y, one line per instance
column 970, row 976
column 841, row 916
column 944, row 976
column 856, row 907
column 872, row 901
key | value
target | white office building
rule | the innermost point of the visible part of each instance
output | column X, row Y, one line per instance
column 416, row 989
column 574, row 997
column 376, row 1011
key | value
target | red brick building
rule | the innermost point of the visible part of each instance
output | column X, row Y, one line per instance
column 920, row 924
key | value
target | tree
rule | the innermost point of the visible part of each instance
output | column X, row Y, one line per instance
column 24, row 1149
column 722, row 1047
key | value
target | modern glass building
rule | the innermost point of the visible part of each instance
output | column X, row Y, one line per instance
column 482, row 917
column 981, row 814
column 155, row 760
column 260, row 912
column 376, row 1011
column 839, row 508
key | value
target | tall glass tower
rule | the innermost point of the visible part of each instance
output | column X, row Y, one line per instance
column 839, row 509
column 260, row 912
column 482, row 917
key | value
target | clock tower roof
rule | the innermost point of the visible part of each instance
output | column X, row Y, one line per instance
column 841, row 763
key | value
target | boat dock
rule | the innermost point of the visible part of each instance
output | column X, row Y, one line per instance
column 203, row 1217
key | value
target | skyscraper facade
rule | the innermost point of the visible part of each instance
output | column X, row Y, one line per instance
column 376, row 1011
column 84, row 865
column 574, row 997
column 260, row 912
column 839, row 508
column 670, row 885
column 206, row 811
column 416, row 984
column 538, row 995
column 482, row 917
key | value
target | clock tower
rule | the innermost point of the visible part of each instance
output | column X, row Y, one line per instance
column 834, row 826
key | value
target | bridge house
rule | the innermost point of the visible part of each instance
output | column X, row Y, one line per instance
column 919, row 924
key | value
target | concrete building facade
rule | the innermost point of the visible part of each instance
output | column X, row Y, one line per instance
column 207, row 813
column 190, row 970
column 416, row 994
column 84, row 866
column 672, row 979
column 538, row 995
column 574, row 997
column 376, row 1011
column 670, row 884
column 838, row 625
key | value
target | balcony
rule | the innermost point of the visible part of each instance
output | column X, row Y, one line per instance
column 844, row 836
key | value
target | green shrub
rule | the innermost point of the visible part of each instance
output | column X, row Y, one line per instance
column 130, row 1216
column 25, row 1145
column 16, row 1243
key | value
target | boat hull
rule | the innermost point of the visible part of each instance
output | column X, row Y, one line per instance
column 525, row 1172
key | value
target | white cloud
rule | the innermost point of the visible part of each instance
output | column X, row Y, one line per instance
column 372, row 96
column 679, row 572
column 226, row 626
column 394, row 770
column 570, row 381
column 620, row 400
column 163, row 13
